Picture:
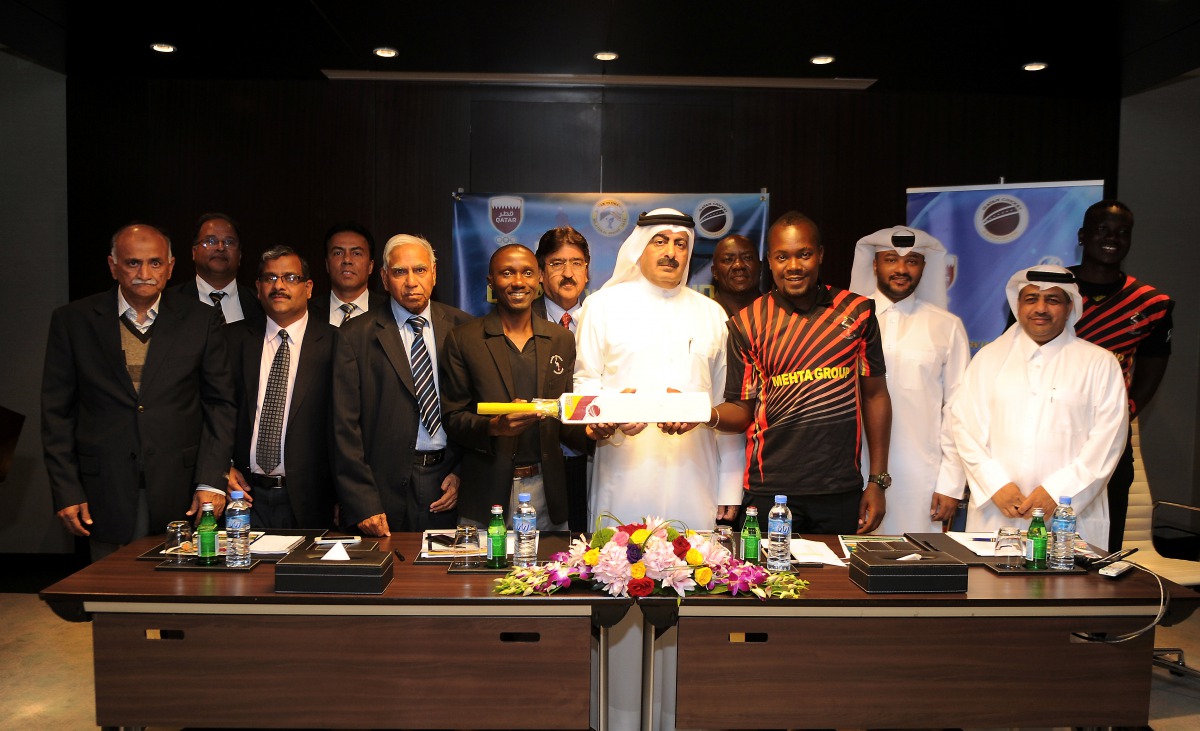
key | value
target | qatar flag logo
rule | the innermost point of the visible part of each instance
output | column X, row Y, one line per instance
column 506, row 212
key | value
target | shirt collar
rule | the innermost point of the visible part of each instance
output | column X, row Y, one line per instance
column 1028, row 348
column 824, row 298
column 295, row 331
column 402, row 315
column 206, row 289
column 883, row 303
column 555, row 313
column 360, row 302
column 125, row 309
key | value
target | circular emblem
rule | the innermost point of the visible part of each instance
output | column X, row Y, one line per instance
column 1051, row 261
column 1001, row 219
column 713, row 217
column 556, row 362
column 593, row 410
column 609, row 217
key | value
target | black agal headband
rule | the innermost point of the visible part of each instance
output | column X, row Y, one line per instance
column 903, row 239
column 1055, row 277
column 666, row 219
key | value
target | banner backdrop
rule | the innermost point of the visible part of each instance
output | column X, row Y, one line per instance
column 483, row 223
column 992, row 231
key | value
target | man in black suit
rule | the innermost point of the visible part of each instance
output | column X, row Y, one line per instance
column 350, row 260
column 283, row 442
column 137, row 401
column 217, row 253
column 509, row 355
column 563, row 257
column 396, row 469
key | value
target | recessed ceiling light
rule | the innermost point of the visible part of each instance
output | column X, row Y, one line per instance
column 605, row 55
column 821, row 60
column 163, row 47
column 1035, row 66
column 385, row 52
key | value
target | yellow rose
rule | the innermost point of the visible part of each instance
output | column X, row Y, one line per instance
column 690, row 533
column 639, row 536
column 592, row 557
column 703, row 575
column 637, row 570
column 694, row 557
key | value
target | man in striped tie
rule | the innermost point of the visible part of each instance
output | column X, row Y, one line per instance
column 396, row 469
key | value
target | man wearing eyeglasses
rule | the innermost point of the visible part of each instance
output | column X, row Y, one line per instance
column 283, row 369
column 137, row 401
column 217, row 253
column 563, row 257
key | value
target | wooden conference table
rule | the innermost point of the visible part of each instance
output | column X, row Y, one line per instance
column 439, row 650
column 1005, row 654
column 203, row 648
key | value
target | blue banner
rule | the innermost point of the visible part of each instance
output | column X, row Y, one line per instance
column 484, row 223
column 992, row 231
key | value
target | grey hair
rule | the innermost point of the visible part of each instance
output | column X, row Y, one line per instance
column 401, row 240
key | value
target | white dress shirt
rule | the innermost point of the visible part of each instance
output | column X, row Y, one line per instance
column 425, row 442
column 231, row 306
column 126, row 310
column 926, row 351
column 1053, row 416
column 271, row 343
column 337, row 315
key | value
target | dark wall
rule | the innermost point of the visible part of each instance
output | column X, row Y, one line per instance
column 286, row 159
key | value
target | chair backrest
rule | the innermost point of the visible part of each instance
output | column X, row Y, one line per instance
column 1138, row 518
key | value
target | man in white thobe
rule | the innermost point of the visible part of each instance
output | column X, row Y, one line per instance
column 1041, row 414
column 926, row 351
column 646, row 330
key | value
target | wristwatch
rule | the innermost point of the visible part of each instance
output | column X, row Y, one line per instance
column 883, row 479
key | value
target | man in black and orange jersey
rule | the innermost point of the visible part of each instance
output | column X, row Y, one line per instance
column 1129, row 318
column 799, row 357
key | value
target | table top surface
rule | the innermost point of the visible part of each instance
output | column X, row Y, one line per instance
column 123, row 578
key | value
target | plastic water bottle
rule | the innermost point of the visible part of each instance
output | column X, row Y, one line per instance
column 525, row 526
column 237, row 530
column 1062, row 538
column 206, row 537
column 497, row 540
column 751, row 535
column 779, row 536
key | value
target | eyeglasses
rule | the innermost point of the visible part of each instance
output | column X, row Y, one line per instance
column 210, row 242
column 557, row 265
column 289, row 278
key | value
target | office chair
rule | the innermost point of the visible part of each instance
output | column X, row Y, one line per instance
column 1139, row 525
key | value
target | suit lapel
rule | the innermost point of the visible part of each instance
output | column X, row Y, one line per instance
column 543, row 341
column 304, row 369
column 388, row 335
column 252, row 348
column 493, row 337
column 108, row 332
column 167, row 330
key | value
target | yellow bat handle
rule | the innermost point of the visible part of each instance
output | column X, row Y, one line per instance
column 491, row 409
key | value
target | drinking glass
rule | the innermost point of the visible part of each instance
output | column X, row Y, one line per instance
column 178, row 544
column 467, row 551
column 1010, row 548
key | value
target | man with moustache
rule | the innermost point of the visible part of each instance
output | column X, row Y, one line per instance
column 509, row 355
column 395, row 467
column 350, row 260
column 137, row 401
column 1041, row 413
column 926, row 351
column 735, row 273
column 283, row 372
column 217, row 253
column 805, row 360
column 563, row 257
column 1127, row 317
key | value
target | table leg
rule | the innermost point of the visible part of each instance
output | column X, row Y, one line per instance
column 647, row 675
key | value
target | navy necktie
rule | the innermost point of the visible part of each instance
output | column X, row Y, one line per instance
column 422, row 368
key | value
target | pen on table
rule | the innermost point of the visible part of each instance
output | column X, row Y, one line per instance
column 803, row 565
column 985, row 540
column 399, row 556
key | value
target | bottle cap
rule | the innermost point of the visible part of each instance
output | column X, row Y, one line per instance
column 781, row 499
column 206, row 505
column 237, row 494
column 751, row 510
column 523, row 497
column 1039, row 513
column 1064, row 500
column 498, row 509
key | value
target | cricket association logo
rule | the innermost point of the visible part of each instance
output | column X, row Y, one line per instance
column 506, row 212
column 1001, row 219
column 713, row 218
column 609, row 217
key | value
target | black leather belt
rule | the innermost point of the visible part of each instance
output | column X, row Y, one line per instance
column 259, row 480
column 528, row 470
column 425, row 459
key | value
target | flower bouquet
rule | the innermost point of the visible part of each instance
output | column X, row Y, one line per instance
column 651, row 557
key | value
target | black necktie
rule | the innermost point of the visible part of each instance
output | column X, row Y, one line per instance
column 270, row 419
column 422, row 368
column 346, row 308
column 216, row 297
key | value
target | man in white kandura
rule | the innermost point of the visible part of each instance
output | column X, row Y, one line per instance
column 1041, row 413
column 926, row 351
column 646, row 330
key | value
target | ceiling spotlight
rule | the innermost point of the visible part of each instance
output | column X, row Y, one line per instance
column 163, row 47
column 385, row 52
column 1035, row 66
column 605, row 55
column 821, row 60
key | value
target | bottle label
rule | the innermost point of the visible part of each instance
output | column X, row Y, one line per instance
column 237, row 522
column 779, row 525
column 208, row 543
column 497, row 545
column 524, row 523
